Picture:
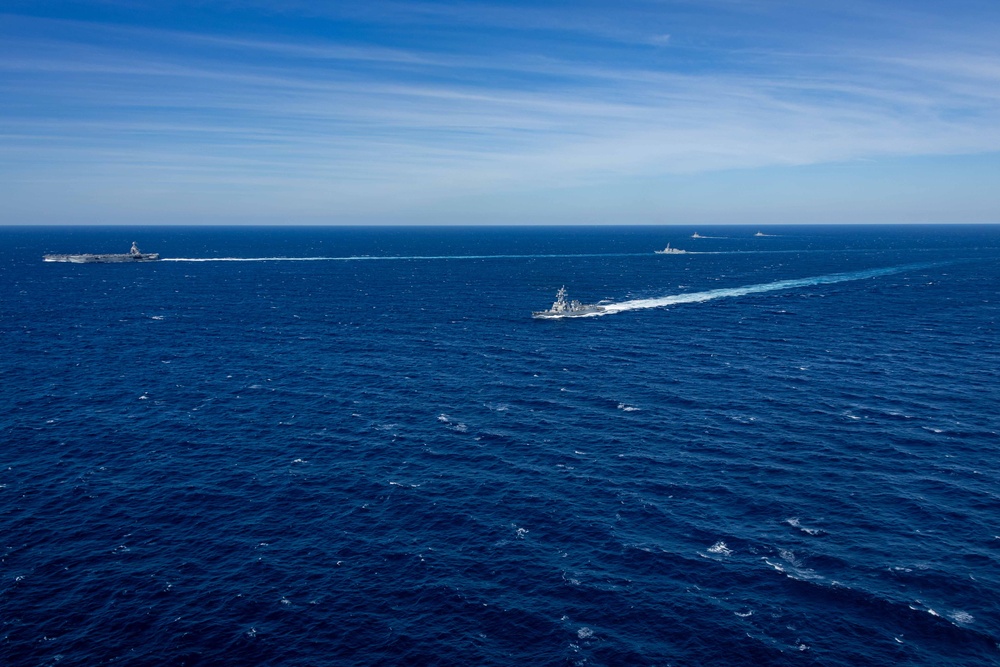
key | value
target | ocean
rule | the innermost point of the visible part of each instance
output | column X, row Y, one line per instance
column 355, row 446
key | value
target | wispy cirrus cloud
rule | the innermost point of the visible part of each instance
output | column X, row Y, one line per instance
column 355, row 122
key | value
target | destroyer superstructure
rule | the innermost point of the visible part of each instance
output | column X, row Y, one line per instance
column 133, row 255
column 565, row 308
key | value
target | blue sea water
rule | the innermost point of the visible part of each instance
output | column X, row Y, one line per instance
column 328, row 446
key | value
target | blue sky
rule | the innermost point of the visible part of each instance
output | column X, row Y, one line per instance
column 585, row 112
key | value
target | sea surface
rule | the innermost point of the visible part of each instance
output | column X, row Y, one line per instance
column 345, row 446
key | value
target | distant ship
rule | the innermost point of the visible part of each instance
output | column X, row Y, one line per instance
column 564, row 308
column 696, row 235
column 670, row 251
column 133, row 255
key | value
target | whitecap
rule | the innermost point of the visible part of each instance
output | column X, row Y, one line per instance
column 720, row 548
column 794, row 570
column 795, row 523
column 572, row 581
column 962, row 617
column 584, row 633
column 789, row 556
column 627, row 408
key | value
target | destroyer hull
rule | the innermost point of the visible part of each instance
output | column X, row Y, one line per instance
column 575, row 310
column 547, row 315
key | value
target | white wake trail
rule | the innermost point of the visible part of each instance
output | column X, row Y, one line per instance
column 251, row 259
column 698, row 297
column 367, row 258
column 389, row 258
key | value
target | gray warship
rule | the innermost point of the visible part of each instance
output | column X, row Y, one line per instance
column 133, row 255
column 564, row 308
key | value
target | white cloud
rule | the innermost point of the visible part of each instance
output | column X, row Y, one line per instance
column 374, row 127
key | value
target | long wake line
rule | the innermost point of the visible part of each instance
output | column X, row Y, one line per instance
column 363, row 258
column 384, row 258
column 698, row 297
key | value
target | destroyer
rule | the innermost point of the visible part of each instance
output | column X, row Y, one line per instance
column 670, row 251
column 564, row 308
column 133, row 255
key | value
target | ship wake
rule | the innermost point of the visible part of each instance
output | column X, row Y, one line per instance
column 727, row 292
column 387, row 258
